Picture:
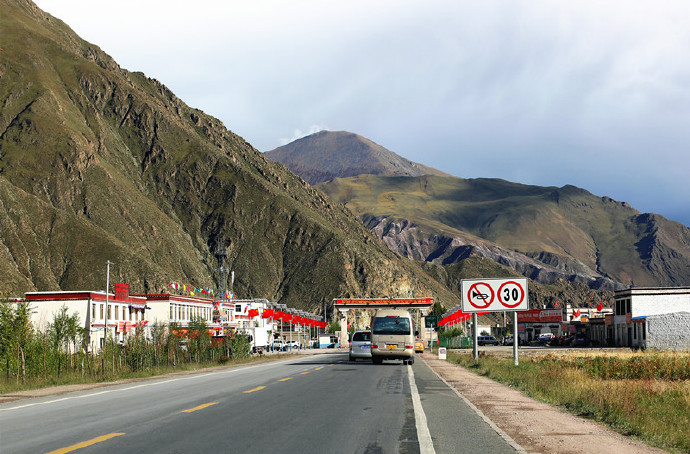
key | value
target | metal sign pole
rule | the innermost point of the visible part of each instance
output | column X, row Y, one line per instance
column 475, row 348
column 515, row 337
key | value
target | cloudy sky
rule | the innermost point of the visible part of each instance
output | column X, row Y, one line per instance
column 590, row 93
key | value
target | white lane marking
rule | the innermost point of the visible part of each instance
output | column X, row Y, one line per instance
column 481, row 414
column 155, row 383
column 426, row 446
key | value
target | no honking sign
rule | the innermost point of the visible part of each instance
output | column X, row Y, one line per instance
column 494, row 295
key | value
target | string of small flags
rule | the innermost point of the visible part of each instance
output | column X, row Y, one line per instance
column 192, row 290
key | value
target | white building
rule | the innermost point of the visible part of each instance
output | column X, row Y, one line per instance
column 125, row 314
column 652, row 317
column 166, row 308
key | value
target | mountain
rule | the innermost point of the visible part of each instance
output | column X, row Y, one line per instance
column 327, row 155
column 545, row 233
column 99, row 163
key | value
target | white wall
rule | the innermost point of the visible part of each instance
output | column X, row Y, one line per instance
column 657, row 303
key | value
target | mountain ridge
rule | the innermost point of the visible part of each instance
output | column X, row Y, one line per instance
column 546, row 233
column 99, row 163
column 567, row 227
column 325, row 155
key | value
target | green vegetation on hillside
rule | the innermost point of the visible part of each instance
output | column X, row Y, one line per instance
column 566, row 228
column 98, row 163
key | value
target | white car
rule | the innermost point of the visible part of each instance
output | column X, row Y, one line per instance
column 294, row 344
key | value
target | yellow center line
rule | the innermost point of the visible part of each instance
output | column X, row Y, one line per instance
column 84, row 444
column 285, row 379
column 304, row 373
column 189, row 410
column 319, row 368
column 255, row 389
column 331, row 365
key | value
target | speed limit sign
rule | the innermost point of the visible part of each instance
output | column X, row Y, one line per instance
column 494, row 295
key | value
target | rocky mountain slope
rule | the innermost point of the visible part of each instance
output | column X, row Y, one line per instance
column 339, row 154
column 545, row 233
column 98, row 163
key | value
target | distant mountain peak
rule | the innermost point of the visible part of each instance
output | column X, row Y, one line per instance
column 326, row 155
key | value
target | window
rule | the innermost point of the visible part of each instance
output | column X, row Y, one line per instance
column 114, row 310
column 238, row 308
column 628, row 306
column 101, row 311
column 124, row 313
column 361, row 337
column 93, row 310
column 391, row 325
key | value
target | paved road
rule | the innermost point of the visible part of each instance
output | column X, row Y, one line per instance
column 320, row 403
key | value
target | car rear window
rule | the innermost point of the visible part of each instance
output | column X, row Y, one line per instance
column 391, row 325
column 361, row 337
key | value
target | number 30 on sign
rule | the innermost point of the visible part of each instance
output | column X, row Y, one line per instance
column 494, row 295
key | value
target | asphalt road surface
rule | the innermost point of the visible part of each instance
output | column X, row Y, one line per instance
column 321, row 403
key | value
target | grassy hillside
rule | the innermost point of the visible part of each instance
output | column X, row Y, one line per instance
column 98, row 163
column 560, row 227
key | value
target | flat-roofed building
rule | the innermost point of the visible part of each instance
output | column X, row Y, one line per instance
column 652, row 317
column 125, row 313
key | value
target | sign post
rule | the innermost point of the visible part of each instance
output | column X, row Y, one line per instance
column 475, row 346
column 495, row 295
column 431, row 322
column 515, row 338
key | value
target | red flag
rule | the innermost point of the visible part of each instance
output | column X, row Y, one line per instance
column 600, row 306
column 576, row 313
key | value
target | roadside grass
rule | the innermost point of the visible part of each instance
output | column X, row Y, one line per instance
column 645, row 395
column 75, row 377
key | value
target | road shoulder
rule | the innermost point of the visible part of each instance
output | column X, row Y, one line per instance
column 536, row 426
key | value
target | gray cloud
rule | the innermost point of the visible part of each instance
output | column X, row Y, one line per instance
column 594, row 94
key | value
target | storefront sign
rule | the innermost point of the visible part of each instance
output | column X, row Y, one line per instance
column 540, row 315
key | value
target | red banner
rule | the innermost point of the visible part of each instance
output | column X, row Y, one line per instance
column 540, row 315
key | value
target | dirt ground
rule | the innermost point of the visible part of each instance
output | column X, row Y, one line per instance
column 537, row 427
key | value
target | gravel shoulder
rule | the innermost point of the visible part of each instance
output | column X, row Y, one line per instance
column 536, row 426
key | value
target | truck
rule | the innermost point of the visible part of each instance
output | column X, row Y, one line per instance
column 259, row 338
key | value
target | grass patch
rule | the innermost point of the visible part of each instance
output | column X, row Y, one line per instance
column 74, row 377
column 646, row 395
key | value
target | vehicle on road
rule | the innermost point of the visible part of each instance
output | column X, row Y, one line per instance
column 487, row 340
column 360, row 345
column 291, row 345
column 418, row 346
column 508, row 340
column 278, row 345
column 392, row 336
column 579, row 340
column 258, row 338
column 546, row 338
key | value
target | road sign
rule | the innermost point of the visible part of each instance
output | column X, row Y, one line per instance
column 431, row 321
column 494, row 295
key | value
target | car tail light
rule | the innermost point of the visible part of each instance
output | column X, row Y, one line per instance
column 374, row 346
column 409, row 346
